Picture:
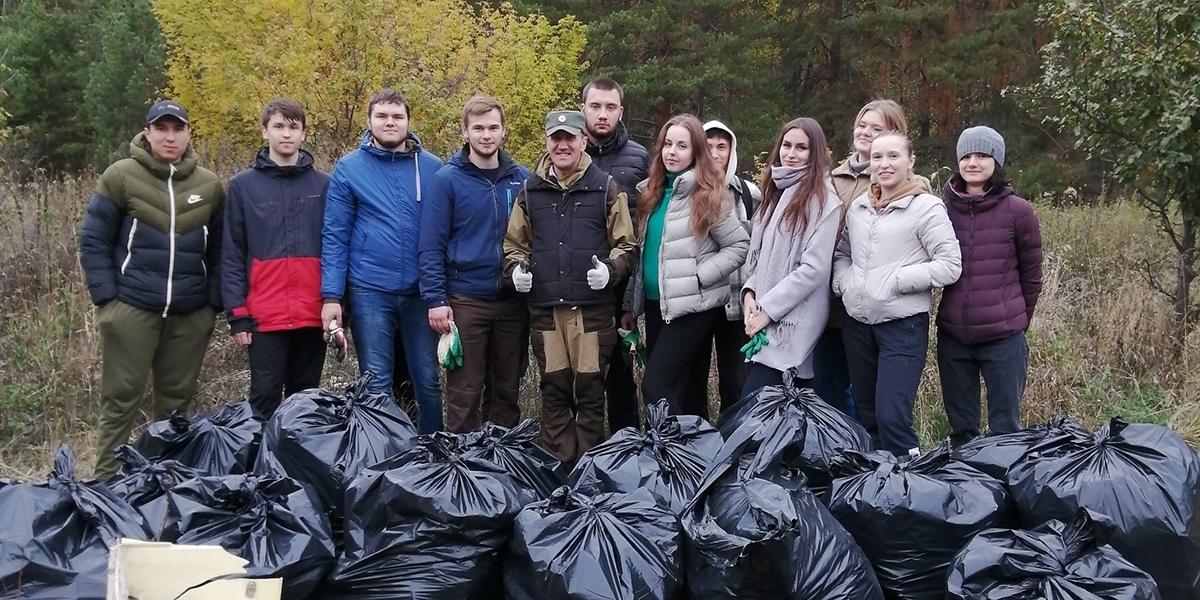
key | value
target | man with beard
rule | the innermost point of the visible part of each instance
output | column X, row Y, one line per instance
column 569, row 241
column 462, row 235
column 627, row 162
column 369, row 247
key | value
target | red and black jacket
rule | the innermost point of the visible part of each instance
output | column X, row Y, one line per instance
column 271, row 254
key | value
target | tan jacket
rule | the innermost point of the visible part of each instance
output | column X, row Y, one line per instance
column 888, row 261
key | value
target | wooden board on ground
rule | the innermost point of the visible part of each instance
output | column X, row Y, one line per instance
column 140, row 570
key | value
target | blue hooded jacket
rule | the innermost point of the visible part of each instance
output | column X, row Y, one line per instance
column 463, row 227
column 373, row 218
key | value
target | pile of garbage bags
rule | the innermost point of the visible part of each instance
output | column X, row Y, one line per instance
column 55, row 536
column 1054, row 561
column 937, row 503
column 784, row 498
column 668, row 458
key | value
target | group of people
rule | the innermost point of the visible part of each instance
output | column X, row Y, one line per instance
column 822, row 272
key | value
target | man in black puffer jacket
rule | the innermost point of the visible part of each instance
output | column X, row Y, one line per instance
column 150, row 248
column 627, row 161
column 271, row 275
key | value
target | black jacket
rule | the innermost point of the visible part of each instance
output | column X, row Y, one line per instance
column 271, row 254
column 626, row 160
column 152, row 234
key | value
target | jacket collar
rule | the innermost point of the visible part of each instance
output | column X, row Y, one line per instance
column 262, row 162
column 959, row 199
column 844, row 170
column 462, row 160
column 613, row 144
column 410, row 147
column 543, row 172
column 139, row 150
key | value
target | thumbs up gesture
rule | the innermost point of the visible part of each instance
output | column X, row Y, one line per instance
column 598, row 276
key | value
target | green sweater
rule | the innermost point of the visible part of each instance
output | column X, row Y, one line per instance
column 654, row 238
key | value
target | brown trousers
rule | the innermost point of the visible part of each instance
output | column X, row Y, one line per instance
column 573, row 346
column 495, row 344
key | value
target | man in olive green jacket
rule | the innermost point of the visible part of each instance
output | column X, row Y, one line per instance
column 150, row 249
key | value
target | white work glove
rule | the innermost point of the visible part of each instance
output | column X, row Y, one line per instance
column 598, row 276
column 522, row 279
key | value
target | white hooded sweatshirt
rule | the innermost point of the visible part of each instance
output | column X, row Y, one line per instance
column 733, row 310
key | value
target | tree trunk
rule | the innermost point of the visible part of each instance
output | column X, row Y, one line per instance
column 1184, row 274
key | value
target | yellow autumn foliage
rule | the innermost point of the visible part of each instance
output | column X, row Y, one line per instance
column 227, row 58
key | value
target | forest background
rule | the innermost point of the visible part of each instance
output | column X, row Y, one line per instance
column 1099, row 103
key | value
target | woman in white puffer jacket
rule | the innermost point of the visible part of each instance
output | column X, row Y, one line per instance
column 897, row 246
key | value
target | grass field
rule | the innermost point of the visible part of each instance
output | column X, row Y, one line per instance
column 1101, row 342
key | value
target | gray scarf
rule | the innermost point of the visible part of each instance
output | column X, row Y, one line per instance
column 858, row 167
column 786, row 177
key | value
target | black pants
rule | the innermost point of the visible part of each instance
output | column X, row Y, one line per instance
column 732, row 368
column 831, row 379
column 761, row 376
column 619, row 389
column 675, row 348
column 1003, row 364
column 886, row 361
column 283, row 363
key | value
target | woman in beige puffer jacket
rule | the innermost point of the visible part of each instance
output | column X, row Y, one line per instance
column 898, row 244
column 690, row 244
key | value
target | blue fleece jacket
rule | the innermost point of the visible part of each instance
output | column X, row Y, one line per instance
column 462, row 230
column 373, row 218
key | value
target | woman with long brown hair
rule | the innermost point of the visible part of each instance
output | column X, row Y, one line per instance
column 690, row 244
column 794, row 232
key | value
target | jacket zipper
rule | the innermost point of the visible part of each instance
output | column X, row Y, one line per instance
column 171, row 235
column 662, row 243
column 129, row 247
column 499, row 283
column 967, row 261
column 862, row 297
column 202, row 262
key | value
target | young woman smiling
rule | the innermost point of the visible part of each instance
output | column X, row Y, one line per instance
column 691, row 242
column 983, row 317
column 897, row 246
column 794, row 231
column 851, row 179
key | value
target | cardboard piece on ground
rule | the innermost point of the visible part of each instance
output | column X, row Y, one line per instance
column 140, row 570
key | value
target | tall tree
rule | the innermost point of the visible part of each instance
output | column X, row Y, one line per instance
column 226, row 58
column 1123, row 77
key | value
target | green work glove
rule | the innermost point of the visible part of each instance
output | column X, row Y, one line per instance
column 756, row 343
column 450, row 353
column 632, row 346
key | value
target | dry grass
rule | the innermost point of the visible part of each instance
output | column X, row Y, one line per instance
column 1100, row 345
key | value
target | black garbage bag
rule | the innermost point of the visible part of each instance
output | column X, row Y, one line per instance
column 221, row 442
column 669, row 458
column 144, row 485
column 54, row 536
column 612, row 546
column 1143, row 477
column 270, row 521
column 518, row 452
column 798, row 427
column 1056, row 561
column 323, row 440
column 911, row 519
column 756, row 531
column 430, row 523
column 996, row 454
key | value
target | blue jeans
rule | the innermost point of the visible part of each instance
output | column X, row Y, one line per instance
column 886, row 361
column 831, row 372
column 1003, row 364
column 376, row 318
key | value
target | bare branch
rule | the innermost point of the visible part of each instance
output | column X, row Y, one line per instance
column 1148, row 270
column 1160, row 210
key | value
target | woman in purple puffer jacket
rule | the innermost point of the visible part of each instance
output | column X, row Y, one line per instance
column 983, row 316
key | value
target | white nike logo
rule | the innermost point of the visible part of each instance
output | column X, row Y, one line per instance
column 194, row 198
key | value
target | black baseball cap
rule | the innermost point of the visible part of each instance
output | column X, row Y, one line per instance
column 166, row 108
